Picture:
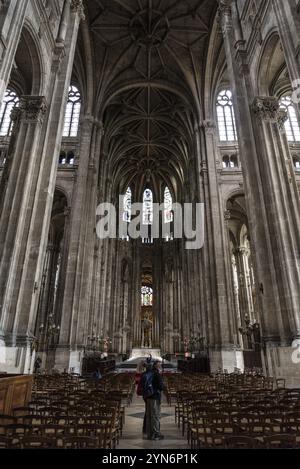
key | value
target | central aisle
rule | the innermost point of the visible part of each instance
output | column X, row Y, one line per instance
column 132, row 432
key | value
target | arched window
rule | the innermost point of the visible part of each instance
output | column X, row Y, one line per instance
column 292, row 126
column 168, row 206
column 127, row 206
column 226, row 117
column 148, row 207
column 62, row 158
column 230, row 161
column 147, row 296
column 10, row 101
column 72, row 113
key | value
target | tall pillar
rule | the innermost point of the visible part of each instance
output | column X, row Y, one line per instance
column 224, row 352
column 272, row 203
column 23, row 160
column 244, row 300
column 74, row 322
column 283, row 208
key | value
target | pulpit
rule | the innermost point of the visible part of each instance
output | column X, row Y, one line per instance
column 15, row 391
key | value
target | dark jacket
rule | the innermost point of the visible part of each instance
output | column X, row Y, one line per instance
column 158, row 385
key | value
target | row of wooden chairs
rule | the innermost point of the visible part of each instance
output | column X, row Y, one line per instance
column 68, row 412
column 235, row 410
column 65, row 442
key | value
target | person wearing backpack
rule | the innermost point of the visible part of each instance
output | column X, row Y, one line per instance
column 152, row 385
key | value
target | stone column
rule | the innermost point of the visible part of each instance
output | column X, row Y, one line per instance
column 244, row 300
column 136, row 295
column 20, row 295
column 283, row 205
column 47, row 285
column 81, row 249
column 12, row 16
column 223, row 350
column 23, row 159
column 236, row 293
column 272, row 203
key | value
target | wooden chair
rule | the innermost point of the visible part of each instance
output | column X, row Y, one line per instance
column 20, row 411
column 5, row 442
column 239, row 442
column 82, row 442
column 17, row 430
column 6, row 420
column 37, row 442
column 280, row 441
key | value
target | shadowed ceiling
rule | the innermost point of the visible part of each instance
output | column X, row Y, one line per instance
column 150, row 61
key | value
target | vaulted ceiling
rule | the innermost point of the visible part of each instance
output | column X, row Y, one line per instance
column 150, row 59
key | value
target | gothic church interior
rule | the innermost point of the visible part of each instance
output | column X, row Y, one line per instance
column 150, row 102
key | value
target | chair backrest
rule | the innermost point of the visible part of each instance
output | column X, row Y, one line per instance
column 19, row 411
column 7, row 419
column 5, row 442
column 80, row 442
column 17, row 429
column 239, row 442
column 280, row 441
column 37, row 442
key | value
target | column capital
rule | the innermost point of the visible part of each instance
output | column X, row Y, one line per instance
column 31, row 109
column 4, row 4
column 241, row 58
column 225, row 7
column 242, row 250
column 227, row 215
column 225, row 15
column 59, row 53
column 77, row 7
column 209, row 126
column 266, row 108
column 67, row 212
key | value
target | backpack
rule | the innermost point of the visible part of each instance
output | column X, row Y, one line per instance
column 147, row 383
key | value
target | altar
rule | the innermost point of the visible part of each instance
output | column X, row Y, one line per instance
column 144, row 352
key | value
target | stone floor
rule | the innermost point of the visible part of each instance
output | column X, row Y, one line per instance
column 132, row 432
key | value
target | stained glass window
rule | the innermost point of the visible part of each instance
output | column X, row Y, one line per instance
column 226, row 117
column 148, row 207
column 147, row 296
column 292, row 126
column 127, row 205
column 10, row 101
column 168, row 206
column 72, row 113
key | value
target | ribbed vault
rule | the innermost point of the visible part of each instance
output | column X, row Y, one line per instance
column 149, row 62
